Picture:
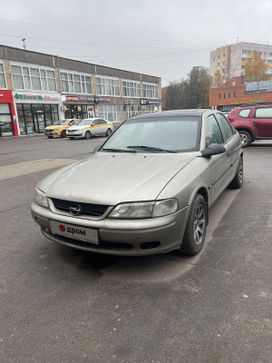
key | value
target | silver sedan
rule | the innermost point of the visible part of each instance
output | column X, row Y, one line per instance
column 147, row 189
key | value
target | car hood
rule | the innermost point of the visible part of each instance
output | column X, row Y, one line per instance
column 78, row 127
column 111, row 178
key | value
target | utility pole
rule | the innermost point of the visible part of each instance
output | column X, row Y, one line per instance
column 24, row 44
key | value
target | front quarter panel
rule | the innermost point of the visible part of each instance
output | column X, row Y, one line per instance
column 185, row 185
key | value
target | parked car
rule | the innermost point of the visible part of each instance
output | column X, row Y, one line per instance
column 89, row 127
column 254, row 122
column 59, row 130
column 147, row 189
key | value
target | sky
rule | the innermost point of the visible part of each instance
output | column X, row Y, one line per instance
column 158, row 37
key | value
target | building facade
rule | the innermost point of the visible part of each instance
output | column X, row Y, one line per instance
column 228, row 62
column 40, row 89
column 227, row 72
column 236, row 92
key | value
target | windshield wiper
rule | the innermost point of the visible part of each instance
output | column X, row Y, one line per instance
column 118, row 150
column 150, row 148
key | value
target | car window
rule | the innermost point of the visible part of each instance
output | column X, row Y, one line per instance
column 225, row 126
column 102, row 122
column 85, row 122
column 213, row 132
column 245, row 112
column 264, row 112
column 180, row 133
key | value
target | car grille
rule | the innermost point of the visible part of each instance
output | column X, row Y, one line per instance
column 94, row 210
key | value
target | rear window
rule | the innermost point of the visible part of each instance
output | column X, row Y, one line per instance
column 264, row 112
column 244, row 112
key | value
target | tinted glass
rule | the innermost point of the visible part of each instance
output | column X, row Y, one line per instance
column 264, row 112
column 213, row 133
column 244, row 113
column 225, row 126
column 169, row 133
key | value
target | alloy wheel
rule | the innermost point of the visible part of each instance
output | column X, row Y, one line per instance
column 199, row 224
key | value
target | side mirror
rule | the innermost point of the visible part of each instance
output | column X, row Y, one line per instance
column 213, row 149
column 96, row 149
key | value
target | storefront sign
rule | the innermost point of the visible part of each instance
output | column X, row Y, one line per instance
column 81, row 99
column 149, row 101
column 37, row 98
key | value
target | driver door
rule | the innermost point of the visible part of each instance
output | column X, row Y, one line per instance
column 219, row 165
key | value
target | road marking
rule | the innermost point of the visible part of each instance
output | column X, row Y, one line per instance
column 29, row 167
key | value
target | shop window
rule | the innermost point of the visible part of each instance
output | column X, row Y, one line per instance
column 109, row 112
column 5, row 120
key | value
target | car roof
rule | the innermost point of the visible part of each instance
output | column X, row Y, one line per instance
column 188, row 112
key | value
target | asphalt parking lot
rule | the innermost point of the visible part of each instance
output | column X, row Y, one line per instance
column 61, row 305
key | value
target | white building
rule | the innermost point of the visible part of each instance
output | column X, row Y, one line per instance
column 228, row 61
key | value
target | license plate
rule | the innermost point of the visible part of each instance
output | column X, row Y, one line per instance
column 76, row 232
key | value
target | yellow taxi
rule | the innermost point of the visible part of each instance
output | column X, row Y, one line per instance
column 59, row 130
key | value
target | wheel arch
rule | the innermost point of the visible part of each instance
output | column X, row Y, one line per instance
column 205, row 194
column 247, row 130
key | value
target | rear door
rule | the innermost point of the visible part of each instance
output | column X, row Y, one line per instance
column 262, row 121
column 219, row 165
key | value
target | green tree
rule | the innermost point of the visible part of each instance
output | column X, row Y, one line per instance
column 190, row 93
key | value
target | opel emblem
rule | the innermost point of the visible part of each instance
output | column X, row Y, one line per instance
column 75, row 209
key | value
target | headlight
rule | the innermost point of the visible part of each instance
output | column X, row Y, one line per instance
column 40, row 198
column 139, row 210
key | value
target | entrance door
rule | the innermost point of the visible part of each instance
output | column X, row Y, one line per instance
column 39, row 122
column 5, row 120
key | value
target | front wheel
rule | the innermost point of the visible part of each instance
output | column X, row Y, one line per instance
column 195, row 232
column 63, row 134
column 88, row 135
column 109, row 132
column 245, row 138
column 237, row 181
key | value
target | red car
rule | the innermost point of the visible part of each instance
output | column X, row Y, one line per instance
column 253, row 122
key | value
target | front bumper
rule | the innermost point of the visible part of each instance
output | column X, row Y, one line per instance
column 120, row 237
column 77, row 135
column 52, row 132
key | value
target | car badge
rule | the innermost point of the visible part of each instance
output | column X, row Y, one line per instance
column 75, row 209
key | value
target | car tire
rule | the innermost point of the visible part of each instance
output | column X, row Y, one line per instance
column 71, row 138
column 88, row 135
column 196, row 228
column 237, row 181
column 50, row 137
column 109, row 132
column 245, row 138
column 63, row 134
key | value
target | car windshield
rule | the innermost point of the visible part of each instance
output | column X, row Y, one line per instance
column 85, row 122
column 156, row 134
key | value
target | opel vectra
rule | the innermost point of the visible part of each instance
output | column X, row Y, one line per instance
column 147, row 189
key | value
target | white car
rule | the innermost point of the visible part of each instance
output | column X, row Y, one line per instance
column 89, row 127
